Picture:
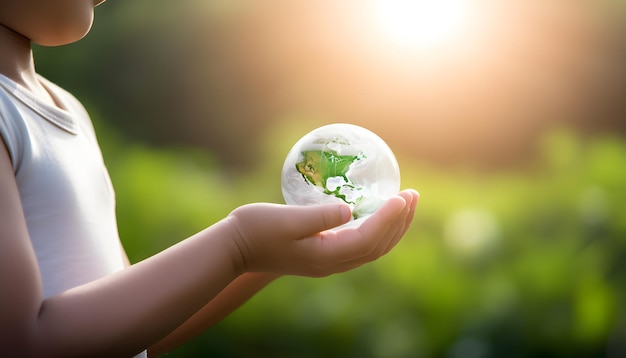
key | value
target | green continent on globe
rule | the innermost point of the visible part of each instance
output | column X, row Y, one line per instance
column 318, row 166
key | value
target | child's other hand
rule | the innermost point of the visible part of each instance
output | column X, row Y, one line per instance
column 293, row 239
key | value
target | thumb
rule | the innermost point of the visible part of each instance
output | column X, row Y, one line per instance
column 313, row 219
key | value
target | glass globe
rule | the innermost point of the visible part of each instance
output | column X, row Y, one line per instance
column 340, row 163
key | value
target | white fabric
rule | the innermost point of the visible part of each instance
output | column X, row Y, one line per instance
column 66, row 193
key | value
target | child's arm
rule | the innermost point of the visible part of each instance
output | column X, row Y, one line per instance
column 130, row 310
column 229, row 299
column 233, row 296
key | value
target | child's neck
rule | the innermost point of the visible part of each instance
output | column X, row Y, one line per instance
column 17, row 63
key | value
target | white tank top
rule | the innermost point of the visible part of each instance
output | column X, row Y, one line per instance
column 66, row 193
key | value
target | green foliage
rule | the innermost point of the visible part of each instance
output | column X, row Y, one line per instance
column 496, row 265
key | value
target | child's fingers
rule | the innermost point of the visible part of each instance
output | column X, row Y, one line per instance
column 378, row 234
column 415, row 197
column 362, row 244
column 412, row 197
column 398, row 227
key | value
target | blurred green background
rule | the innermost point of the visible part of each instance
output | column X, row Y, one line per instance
column 510, row 121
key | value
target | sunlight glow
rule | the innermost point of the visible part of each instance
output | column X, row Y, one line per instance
column 420, row 23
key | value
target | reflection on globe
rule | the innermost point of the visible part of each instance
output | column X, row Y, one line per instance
column 341, row 163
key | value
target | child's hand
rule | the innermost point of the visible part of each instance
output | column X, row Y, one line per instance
column 292, row 239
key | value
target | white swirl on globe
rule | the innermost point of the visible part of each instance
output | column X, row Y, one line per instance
column 341, row 163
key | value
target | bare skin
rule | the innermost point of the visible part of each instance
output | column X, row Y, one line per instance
column 203, row 277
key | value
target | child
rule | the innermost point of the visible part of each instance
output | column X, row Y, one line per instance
column 66, row 286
